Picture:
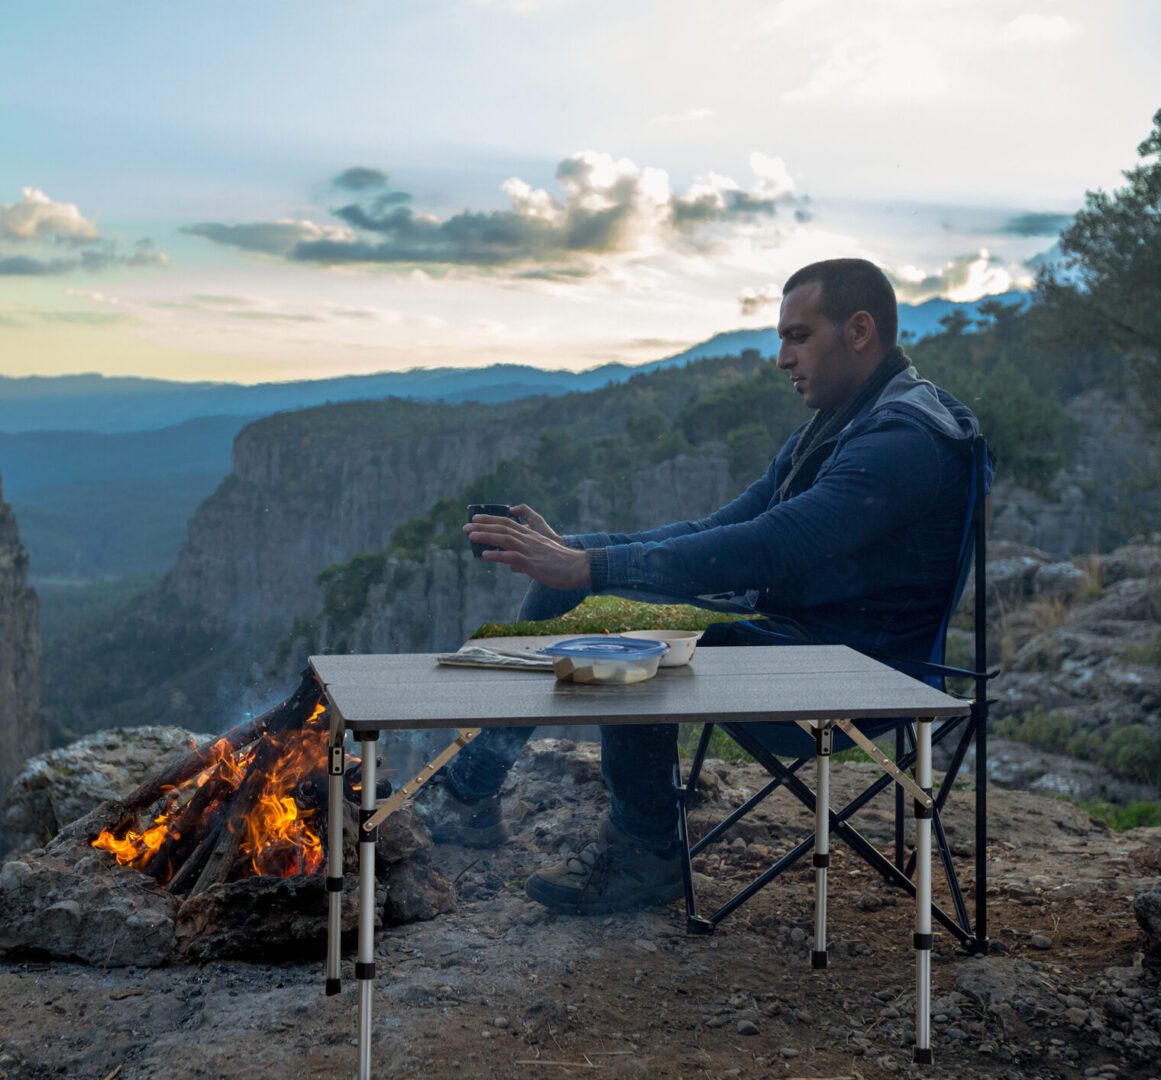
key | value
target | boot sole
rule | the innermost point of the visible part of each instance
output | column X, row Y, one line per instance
column 565, row 901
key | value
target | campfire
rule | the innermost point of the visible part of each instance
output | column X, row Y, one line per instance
column 247, row 805
column 222, row 854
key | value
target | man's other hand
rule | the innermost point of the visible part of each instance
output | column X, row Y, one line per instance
column 536, row 522
column 525, row 550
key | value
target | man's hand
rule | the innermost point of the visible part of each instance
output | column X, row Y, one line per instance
column 536, row 522
column 528, row 551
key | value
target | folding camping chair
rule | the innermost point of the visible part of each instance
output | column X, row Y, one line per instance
column 769, row 743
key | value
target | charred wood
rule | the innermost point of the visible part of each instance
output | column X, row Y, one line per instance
column 298, row 707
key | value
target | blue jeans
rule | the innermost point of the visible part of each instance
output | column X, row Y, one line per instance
column 637, row 760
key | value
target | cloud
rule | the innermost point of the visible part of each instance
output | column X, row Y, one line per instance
column 963, row 279
column 689, row 116
column 1036, row 30
column 1035, row 224
column 267, row 237
column 41, row 226
column 37, row 217
column 359, row 178
column 896, row 51
column 17, row 265
column 754, row 301
column 605, row 209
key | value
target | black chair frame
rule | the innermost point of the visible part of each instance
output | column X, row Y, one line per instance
column 971, row 933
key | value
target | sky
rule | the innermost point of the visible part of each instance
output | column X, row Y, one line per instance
column 283, row 190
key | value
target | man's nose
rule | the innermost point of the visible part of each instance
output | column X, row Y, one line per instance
column 785, row 357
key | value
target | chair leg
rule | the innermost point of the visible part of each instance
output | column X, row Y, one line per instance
column 823, row 737
column 694, row 923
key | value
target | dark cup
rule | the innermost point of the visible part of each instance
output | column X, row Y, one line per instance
column 496, row 510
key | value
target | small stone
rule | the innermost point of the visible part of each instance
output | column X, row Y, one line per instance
column 747, row 1027
column 955, row 1034
column 1039, row 941
column 717, row 1021
column 789, row 1052
column 803, row 1017
column 797, row 935
column 500, row 1021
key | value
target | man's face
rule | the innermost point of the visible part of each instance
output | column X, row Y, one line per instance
column 824, row 371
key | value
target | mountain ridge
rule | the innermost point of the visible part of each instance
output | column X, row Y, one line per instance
column 121, row 404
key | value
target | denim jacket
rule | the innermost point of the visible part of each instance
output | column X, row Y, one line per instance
column 865, row 556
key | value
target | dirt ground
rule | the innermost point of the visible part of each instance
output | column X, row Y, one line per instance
column 503, row 988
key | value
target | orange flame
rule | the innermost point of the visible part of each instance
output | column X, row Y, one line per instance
column 276, row 835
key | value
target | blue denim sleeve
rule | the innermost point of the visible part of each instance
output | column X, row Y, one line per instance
column 877, row 483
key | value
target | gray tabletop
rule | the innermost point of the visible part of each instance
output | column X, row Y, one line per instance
column 809, row 682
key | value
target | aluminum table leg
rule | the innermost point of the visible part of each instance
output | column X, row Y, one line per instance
column 335, row 767
column 923, row 936
column 365, row 967
column 823, row 740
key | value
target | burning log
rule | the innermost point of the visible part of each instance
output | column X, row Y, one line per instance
column 233, row 809
column 303, row 700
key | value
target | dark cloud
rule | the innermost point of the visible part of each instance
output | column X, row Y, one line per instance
column 20, row 265
column 1035, row 224
column 754, row 301
column 261, row 237
column 604, row 206
column 360, row 178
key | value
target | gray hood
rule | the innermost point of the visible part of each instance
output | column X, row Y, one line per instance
column 936, row 408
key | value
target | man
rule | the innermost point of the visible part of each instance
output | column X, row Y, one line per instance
column 851, row 537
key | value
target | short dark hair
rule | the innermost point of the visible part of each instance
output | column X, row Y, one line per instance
column 850, row 285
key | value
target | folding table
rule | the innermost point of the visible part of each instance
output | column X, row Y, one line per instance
column 822, row 687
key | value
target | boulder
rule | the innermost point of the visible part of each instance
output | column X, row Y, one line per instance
column 63, row 785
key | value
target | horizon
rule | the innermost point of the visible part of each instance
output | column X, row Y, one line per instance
column 475, row 182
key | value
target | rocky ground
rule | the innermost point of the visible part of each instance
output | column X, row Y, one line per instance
column 501, row 987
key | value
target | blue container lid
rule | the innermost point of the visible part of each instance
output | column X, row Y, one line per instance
column 606, row 647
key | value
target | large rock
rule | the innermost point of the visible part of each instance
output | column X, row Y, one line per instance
column 77, row 904
column 62, row 785
column 69, row 901
column 22, row 731
column 1147, row 908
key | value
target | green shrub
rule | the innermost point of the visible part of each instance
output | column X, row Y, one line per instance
column 1049, row 731
column 1148, row 654
column 1136, row 815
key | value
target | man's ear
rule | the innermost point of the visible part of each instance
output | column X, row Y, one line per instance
column 860, row 331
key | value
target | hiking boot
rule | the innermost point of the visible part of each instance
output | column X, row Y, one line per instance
column 612, row 873
column 453, row 821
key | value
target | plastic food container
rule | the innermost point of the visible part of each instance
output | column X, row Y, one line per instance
column 609, row 660
column 681, row 643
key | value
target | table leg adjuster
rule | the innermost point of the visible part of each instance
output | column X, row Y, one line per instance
column 821, row 861
column 334, row 986
column 818, row 959
column 365, row 971
column 367, row 836
column 924, row 941
column 334, row 884
column 923, row 1055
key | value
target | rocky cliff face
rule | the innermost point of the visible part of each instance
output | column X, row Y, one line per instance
column 1103, row 497
column 293, row 507
column 21, row 731
column 436, row 605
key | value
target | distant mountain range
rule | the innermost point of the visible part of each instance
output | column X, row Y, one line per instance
column 98, row 403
